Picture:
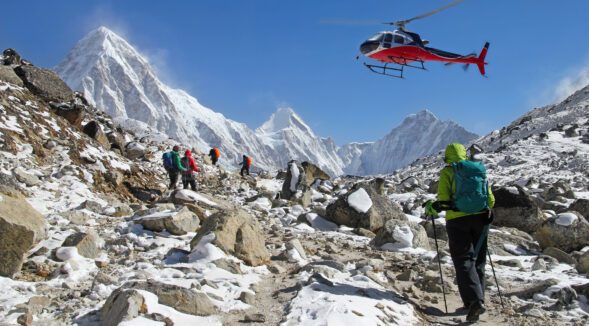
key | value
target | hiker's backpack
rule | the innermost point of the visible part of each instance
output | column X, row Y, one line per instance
column 470, row 179
column 248, row 161
column 168, row 162
column 217, row 152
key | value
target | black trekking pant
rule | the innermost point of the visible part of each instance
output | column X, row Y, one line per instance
column 463, row 235
column 173, row 178
column 214, row 160
column 192, row 184
column 246, row 169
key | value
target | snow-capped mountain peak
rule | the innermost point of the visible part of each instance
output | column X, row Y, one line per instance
column 284, row 118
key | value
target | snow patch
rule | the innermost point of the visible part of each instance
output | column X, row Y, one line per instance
column 360, row 201
column 566, row 219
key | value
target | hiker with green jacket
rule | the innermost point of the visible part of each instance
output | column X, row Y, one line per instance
column 173, row 165
column 464, row 184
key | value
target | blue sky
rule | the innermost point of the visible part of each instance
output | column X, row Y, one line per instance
column 246, row 58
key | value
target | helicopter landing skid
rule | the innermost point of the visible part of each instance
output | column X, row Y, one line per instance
column 397, row 70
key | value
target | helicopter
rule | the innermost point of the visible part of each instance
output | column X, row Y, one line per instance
column 401, row 48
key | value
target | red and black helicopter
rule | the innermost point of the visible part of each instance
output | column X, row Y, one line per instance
column 401, row 48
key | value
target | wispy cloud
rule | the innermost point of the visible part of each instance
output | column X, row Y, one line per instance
column 570, row 84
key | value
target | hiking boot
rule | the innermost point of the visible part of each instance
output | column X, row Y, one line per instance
column 462, row 310
column 476, row 309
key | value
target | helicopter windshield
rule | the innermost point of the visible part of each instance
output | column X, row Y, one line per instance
column 376, row 37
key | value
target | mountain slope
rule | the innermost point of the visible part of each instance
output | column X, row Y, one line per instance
column 419, row 135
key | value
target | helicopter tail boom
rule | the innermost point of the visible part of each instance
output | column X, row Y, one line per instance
column 481, row 60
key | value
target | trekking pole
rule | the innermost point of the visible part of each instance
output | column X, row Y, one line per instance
column 496, row 282
column 440, row 265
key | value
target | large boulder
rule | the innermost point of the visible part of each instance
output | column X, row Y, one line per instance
column 182, row 299
column 74, row 114
column 363, row 207
column 515, row 208
column 23, row 176
column 11, row 57
column 236, row 233
column 295, row 181
column 583, row 266
column 94, row 130
column 567, row 231
column 313, row 172
column 45, row 83
column 397, row 234
column 117, row 141
column 511, row 241
column 8, row 75
column 21, row 227
column 134, row 150
column 178, row 222
column 122, row 305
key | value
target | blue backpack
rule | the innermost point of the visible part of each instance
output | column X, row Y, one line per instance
column 168, row 162
column 472, row 190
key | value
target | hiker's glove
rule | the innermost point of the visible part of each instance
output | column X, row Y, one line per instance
column 430, row 211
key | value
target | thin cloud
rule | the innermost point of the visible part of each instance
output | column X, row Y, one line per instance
column 571, row 84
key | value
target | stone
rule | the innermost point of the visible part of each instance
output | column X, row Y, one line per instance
column 247, row 297
column 581, row 206
column 21, row 227
column 45, row 83
column 515, row 208
column 115, row 177
column 228, row 265
column 134, row 150
column 560, row 255
column 177, row 222
column 92, row 206
column 116, row 140
column 558, row 189
column 25, row 319
column 290, row 186
column 395, row 234
column 382, row 209
column 22, row 176
column 122, row 305
column 182, row 299
column 74, row 114
column 254, row 318
column 409, row 275
column 94, row 130
column 500, row 241
column 568, row 237
column 8, row 75
column 237, row 233
column 88, row 244
column 440, row 233
column 76, row 217
column 50, row 144
column 313, row 173
column 365, row 233
column 583, row 265
column 37, row 303
column 296, row 245
column 529, row 291
column 539, row 265
column 11, row 57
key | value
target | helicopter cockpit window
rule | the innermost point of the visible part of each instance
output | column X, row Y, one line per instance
column 388, row 38
column 376, row 37
column 399, row 39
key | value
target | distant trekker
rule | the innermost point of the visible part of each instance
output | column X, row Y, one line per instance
column 214, row 153
column 191, row 168
column 173, row 165
column 465, row 195
column 246, row 163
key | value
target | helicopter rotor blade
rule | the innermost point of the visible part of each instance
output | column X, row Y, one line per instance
column 402, row 23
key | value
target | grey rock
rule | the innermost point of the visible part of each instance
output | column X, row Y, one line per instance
column 296, row 245
column 120, row 306
column 228, row 265
column 37, row 303
column 74, row 114
column 94, row 130
column 560, row 255
column 409, row 275
column 10, row 57
column 254, row 318
column 76, row 217
column 92, row 206
column 559, row 189
column 529, row 291
column 22, row 176
column 45, row 83
column 583, row 265
column 313, row 173
column 88, row 244
column 539, row 265
column 581, row 206
column 386, row 234
column 182, row 299
column 299, row 185
column 178, row 222
column 134, row 150
column 341, row 213
column 8, row 75
column 520, row 204
column 237, row 233
column 247, row 297
column 564, row 237
column 21, row 227
column 104, row 278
